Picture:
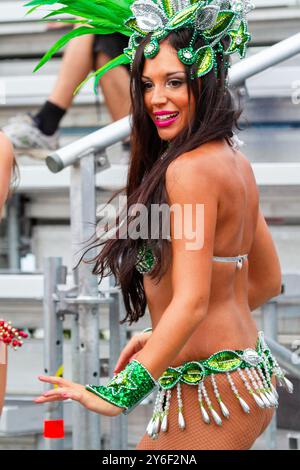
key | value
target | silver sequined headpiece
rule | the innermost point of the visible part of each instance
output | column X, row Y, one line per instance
column 212, row 20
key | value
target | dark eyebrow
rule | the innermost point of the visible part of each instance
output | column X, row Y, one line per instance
column 168, row 74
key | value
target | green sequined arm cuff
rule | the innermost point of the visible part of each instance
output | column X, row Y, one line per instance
column 128, row 388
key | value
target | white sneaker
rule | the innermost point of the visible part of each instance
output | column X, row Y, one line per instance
column 27, row 138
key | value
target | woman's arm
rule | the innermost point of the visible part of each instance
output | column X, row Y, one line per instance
column 264, row 273
column 191, row 186
column 258, row 296
column 6, row 165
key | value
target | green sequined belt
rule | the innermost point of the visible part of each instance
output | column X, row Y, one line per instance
column 255, row 367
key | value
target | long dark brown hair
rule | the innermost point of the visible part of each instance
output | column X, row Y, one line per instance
column 216, row 115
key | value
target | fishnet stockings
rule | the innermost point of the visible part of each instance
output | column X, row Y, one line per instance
column 239, row 432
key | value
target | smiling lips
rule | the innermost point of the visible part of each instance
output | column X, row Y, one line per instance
column 165, row 118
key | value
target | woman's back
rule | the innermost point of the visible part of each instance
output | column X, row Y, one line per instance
column 228, row 322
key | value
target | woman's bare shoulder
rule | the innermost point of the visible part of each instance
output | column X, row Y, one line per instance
column 206, row 158
column 216, row 155
column 189, row 172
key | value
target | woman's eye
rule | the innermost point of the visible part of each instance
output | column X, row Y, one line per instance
column 147, row 85
column 175, row 83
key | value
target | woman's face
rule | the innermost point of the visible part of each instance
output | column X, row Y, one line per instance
column 166, row 93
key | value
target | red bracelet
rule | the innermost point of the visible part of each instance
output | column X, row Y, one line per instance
column 10, row 335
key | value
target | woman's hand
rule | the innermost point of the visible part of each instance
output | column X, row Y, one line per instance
column 136, row 343
column 70, row 390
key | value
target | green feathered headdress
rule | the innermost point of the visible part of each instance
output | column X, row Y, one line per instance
column 211, row 19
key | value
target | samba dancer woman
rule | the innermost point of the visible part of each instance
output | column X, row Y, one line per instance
column 214, row 370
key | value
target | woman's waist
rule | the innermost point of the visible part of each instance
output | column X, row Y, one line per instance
column 226, row 329
column 159, row 296
column 218, row 311
column 221, row 361
column 204, row 344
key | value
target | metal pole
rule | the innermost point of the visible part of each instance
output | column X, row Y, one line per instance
column 54, row 273
column 86, row 425
column 76, row 407
column 261, row 61
column 97, row 140
column 13, row 232
column 270, row 327
column 285, row 358
column 117, row 341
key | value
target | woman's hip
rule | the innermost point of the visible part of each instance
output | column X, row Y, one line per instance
column 231, row 396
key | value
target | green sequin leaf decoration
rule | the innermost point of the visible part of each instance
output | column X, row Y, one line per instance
column 224, row 361
column 129, row 53
column 168, row 7
column 224, row 20
column 169, row 378
column 186, row 15
column 239, row 40
column 132, row 24
column 204, row 60
column 192, row 373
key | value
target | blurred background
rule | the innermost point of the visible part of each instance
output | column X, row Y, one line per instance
column 38, row 223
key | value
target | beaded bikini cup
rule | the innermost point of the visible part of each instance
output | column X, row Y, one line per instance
column 212, row 20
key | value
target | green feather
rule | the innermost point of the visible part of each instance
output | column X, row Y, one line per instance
column 120, row 60
column 106, row 14
column 91, row 9
column 82, row 30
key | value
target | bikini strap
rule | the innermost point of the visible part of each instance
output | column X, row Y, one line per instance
column 238, row 259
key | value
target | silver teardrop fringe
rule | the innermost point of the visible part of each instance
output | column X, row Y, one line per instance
column 242, row 402
column 204, row 413
column 150, row 427
column 256, row 393
column 223, row 407
column 165, row 414
column 281, row 378
column 267, row 386
column 181, row 421
column 214, row 414
column 256, row 398
column 261, row 388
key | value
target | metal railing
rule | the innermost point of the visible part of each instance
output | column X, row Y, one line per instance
column 81, row 155
column 117, row 131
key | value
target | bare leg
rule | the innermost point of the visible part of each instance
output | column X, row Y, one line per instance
column 76, row 65
column 115, row 88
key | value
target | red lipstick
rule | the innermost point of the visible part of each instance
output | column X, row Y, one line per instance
column 162, row 121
